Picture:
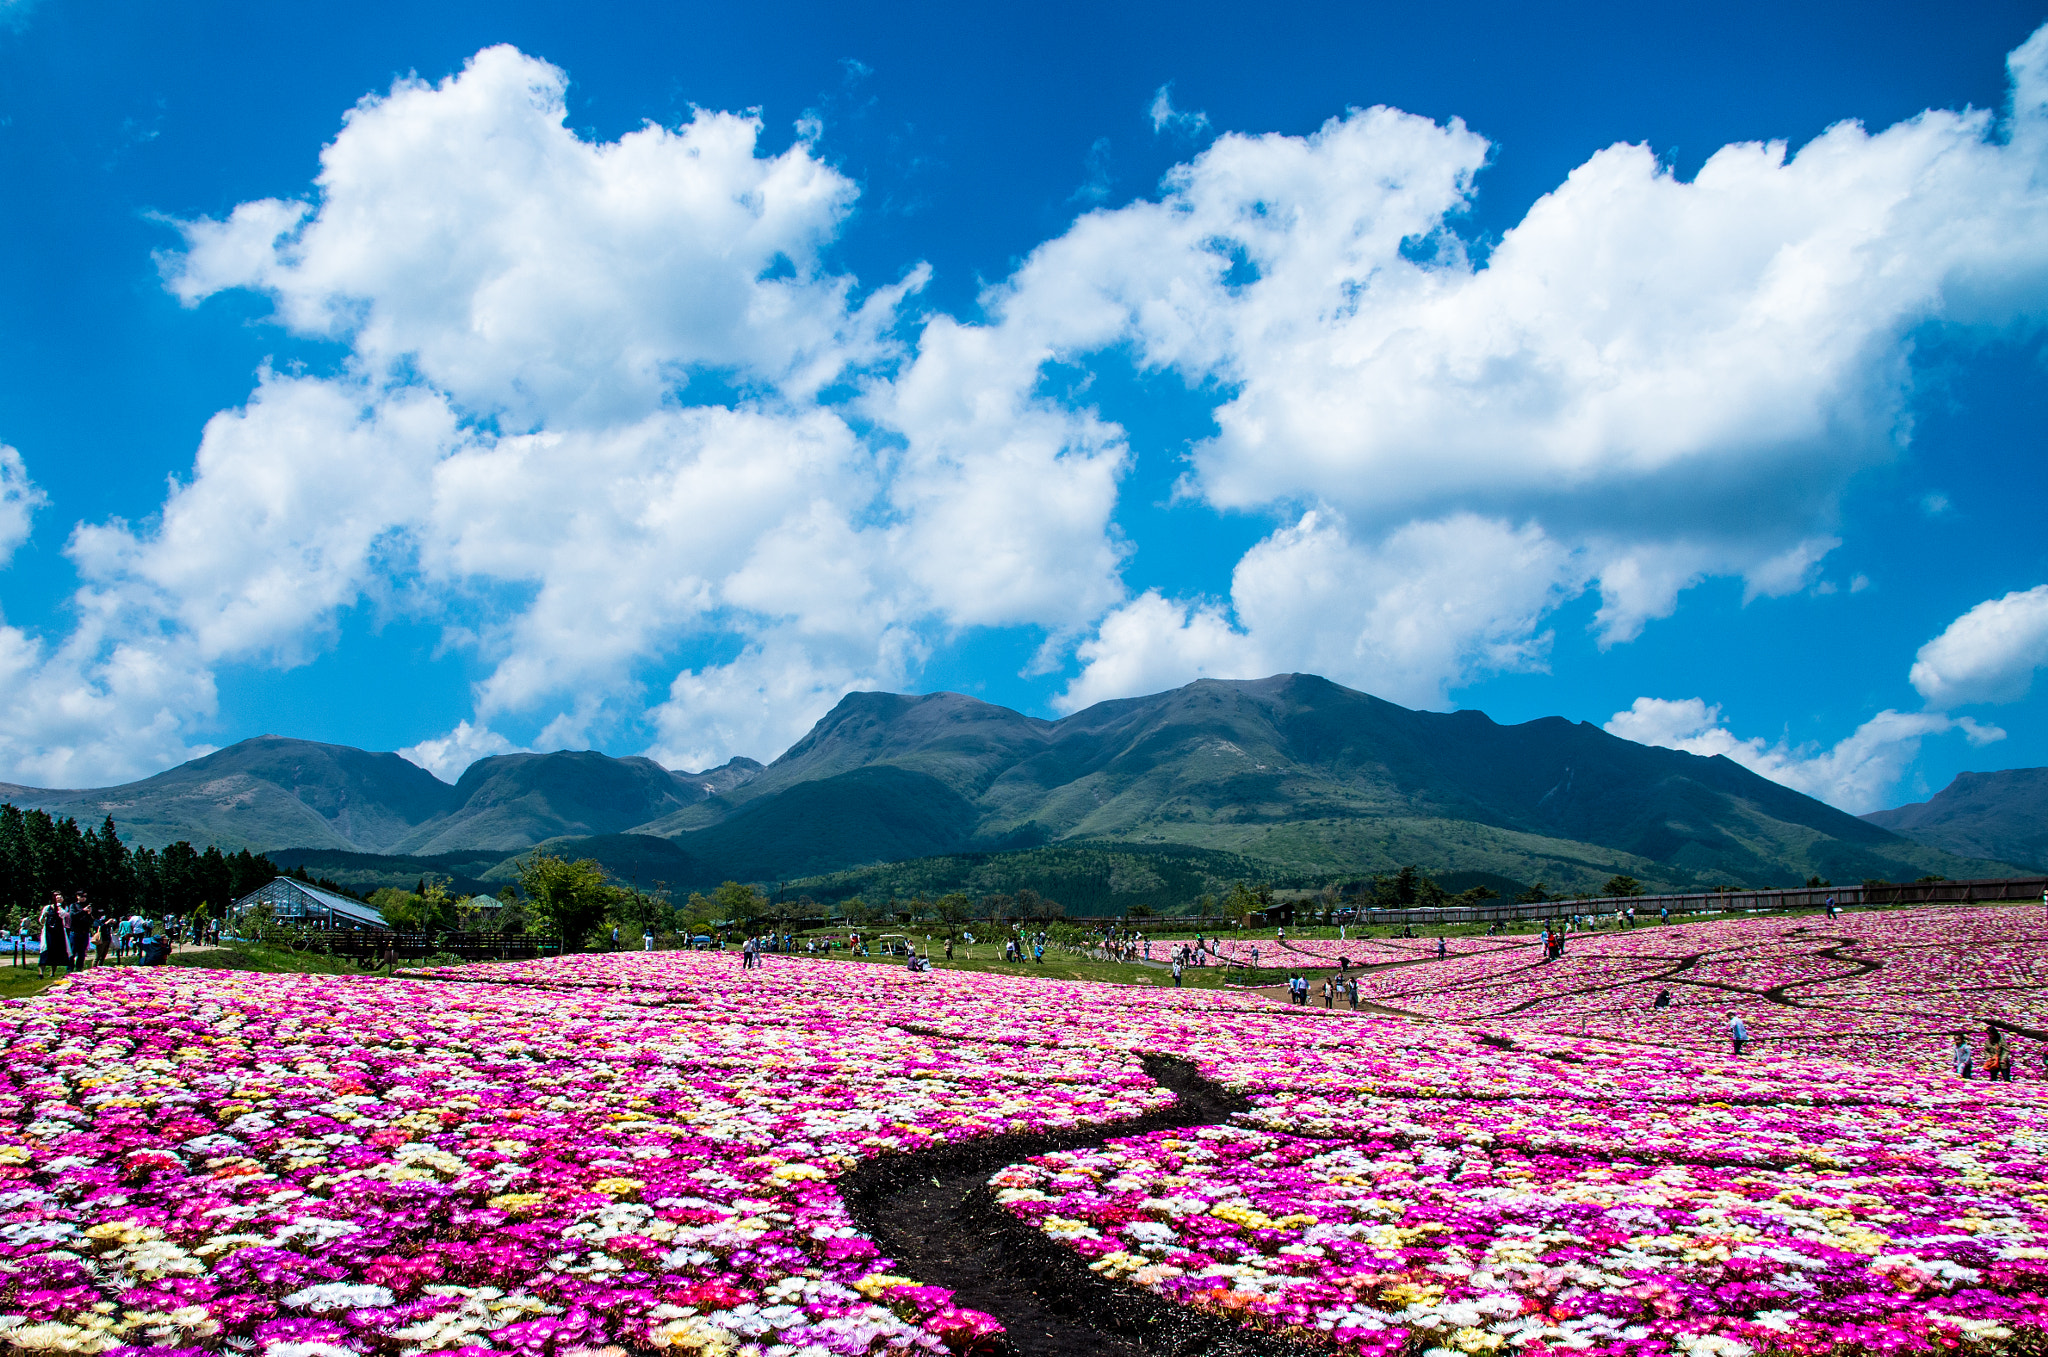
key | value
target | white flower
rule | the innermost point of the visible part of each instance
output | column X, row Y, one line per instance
column 339, row 1296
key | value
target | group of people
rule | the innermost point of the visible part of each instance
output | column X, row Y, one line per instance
column 1025, row 947
column 1998, row 1055
column 1123, row 944
column 754, row 948
column 1334, row 988
column 74, row 934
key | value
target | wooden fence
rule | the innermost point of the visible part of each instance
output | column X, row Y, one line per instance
column 1724, row 902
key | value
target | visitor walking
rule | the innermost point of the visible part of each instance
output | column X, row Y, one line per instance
column 51, row 922
column 1441, row 947
column 1738, row 1035
column 81, row 931
column 1995, row 1054
column 1961, row 1056
column 1351, row 987
column 1176, row 972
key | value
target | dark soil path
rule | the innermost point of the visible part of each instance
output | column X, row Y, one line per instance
column 932, row 1212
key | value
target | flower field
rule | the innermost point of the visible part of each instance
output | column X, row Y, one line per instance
column 1267, row 954
column 314, row 1166
column 640, row 1152
column 1887, row 987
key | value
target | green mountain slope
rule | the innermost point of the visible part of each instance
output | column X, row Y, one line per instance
column 268, row 792
column 1085, row 878
column 1994, row 815
column 512, row 801
column 1296, row 776
column 272, row 793
column 1297, row 771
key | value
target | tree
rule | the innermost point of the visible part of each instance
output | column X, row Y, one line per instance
column 1621, row 887
column 214, row 880
column 1816, row 883
column 636, row 913
column 1535, row 895
column 569, row 898
column 1032, row 906
column 738, row 902
column 955, row 909
column 416, row 911
column 1242, row 902
column 510, row 918
column 1476, row 894
column 1406, row 882
column 178, row 877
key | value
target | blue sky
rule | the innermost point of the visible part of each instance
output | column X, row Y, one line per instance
column 503, row 376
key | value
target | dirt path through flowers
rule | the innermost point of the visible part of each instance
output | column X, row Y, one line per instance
column 933, row 1215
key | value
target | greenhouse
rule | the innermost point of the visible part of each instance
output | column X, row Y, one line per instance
column 295, row 902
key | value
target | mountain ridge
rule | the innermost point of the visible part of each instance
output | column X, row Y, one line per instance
column 1292, row 770
column 2001, row 814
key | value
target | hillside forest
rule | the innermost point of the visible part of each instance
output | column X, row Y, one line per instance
column 40, row 853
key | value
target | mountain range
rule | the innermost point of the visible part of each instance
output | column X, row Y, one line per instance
column 2001, row 815
column 1291, row 776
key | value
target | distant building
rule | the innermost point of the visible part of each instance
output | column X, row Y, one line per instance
column 295, row 902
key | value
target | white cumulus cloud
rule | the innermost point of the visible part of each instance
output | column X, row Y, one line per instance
column 508, row 449
column 445, row 756
column 1989, row 654
column 19, row 500
column 1432, row 605
column 464, row 230
column 611, row 417
column 1672, row 379
column 1857, row 774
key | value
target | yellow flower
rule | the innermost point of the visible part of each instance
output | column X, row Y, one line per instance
column 876, row 1283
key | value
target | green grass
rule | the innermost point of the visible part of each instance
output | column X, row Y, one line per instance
column 243, row 956
column 19, row 982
